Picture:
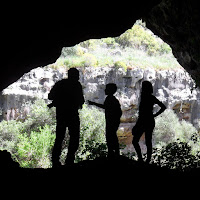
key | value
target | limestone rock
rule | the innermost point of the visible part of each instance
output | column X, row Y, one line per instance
column 175, row 89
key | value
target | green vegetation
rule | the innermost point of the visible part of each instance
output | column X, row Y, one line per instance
column 137, row 47
column 169, row 129
column 33, row 150
column 30, row 142
column 176, row 155
column 176, row 143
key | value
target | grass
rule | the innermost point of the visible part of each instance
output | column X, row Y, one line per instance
column 130, row 57
column 137, row 47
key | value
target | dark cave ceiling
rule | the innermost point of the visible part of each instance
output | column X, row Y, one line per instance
column 33, row 34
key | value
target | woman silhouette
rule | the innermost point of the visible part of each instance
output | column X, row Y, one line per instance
column 146, row 123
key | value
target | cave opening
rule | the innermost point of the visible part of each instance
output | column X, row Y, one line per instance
column 127, row 60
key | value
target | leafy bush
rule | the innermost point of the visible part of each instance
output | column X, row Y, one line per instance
column 69, row 51
column 141, row 38
column 30, row 142
column 9, row 132
column 176, row 155
column 89, row 44
column 40, row 115
column 110, row 42
column 176, row 143
column 168, row 129
column 74, row 61
column 92, row 133
column 34, row 150
column 138, row 46
column 76, row 50
column 120, row 64
column 89, row 60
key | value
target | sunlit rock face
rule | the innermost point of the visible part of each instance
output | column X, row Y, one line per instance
column 15, row 99
column 175, row 89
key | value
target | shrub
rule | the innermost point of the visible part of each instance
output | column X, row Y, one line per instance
column 74, row 61
column 176, row 143
column 89, row 44
column 110, row 42
column 176, row 155
column 168, row 128
column 40, row 115
column 90, row 60
column 92, row 134
column 69, row 51
column 30, row 142
column 141, row 38
column 120, row 64
column 34, row 150
column 9, row 131
column 165, row 48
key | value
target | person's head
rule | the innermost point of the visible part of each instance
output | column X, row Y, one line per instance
column 111, row 88
column 73, row 74
column 147, row 87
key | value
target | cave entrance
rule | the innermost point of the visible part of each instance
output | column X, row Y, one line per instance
column 135, row 55
column 127, row 60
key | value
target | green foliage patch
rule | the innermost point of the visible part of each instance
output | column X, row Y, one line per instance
column 176, row 143
column 137, row 47
column 30, row 142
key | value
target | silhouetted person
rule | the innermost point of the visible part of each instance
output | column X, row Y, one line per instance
column 112, row 114
column 67, row 97
column 146, row 123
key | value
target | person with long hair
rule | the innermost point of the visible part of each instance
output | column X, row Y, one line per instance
column 146, row 123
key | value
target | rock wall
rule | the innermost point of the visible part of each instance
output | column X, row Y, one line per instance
column 15, row 99
column 177, row 23
column 175, row 89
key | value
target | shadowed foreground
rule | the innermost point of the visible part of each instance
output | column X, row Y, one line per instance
column 99, row 169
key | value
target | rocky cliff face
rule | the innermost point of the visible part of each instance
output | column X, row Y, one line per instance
column 15, row 98
column 175, row 89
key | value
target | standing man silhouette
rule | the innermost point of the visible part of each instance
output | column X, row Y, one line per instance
column 146, row 122
column 67, row 96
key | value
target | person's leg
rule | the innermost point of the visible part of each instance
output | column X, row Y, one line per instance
column 109, row 145
column 60, row 134
column 148, row 140
column 116, row 146
column 112, row 140
column 115, row 140
column 136, row 138
column 74, row 132
column 113, row 146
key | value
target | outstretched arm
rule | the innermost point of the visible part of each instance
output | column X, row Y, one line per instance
column 96, row 104
column 162, row 107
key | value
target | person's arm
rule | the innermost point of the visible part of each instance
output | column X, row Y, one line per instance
column 96, row 104
column 52, row 93
column 162, row 107
column 51, row 105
